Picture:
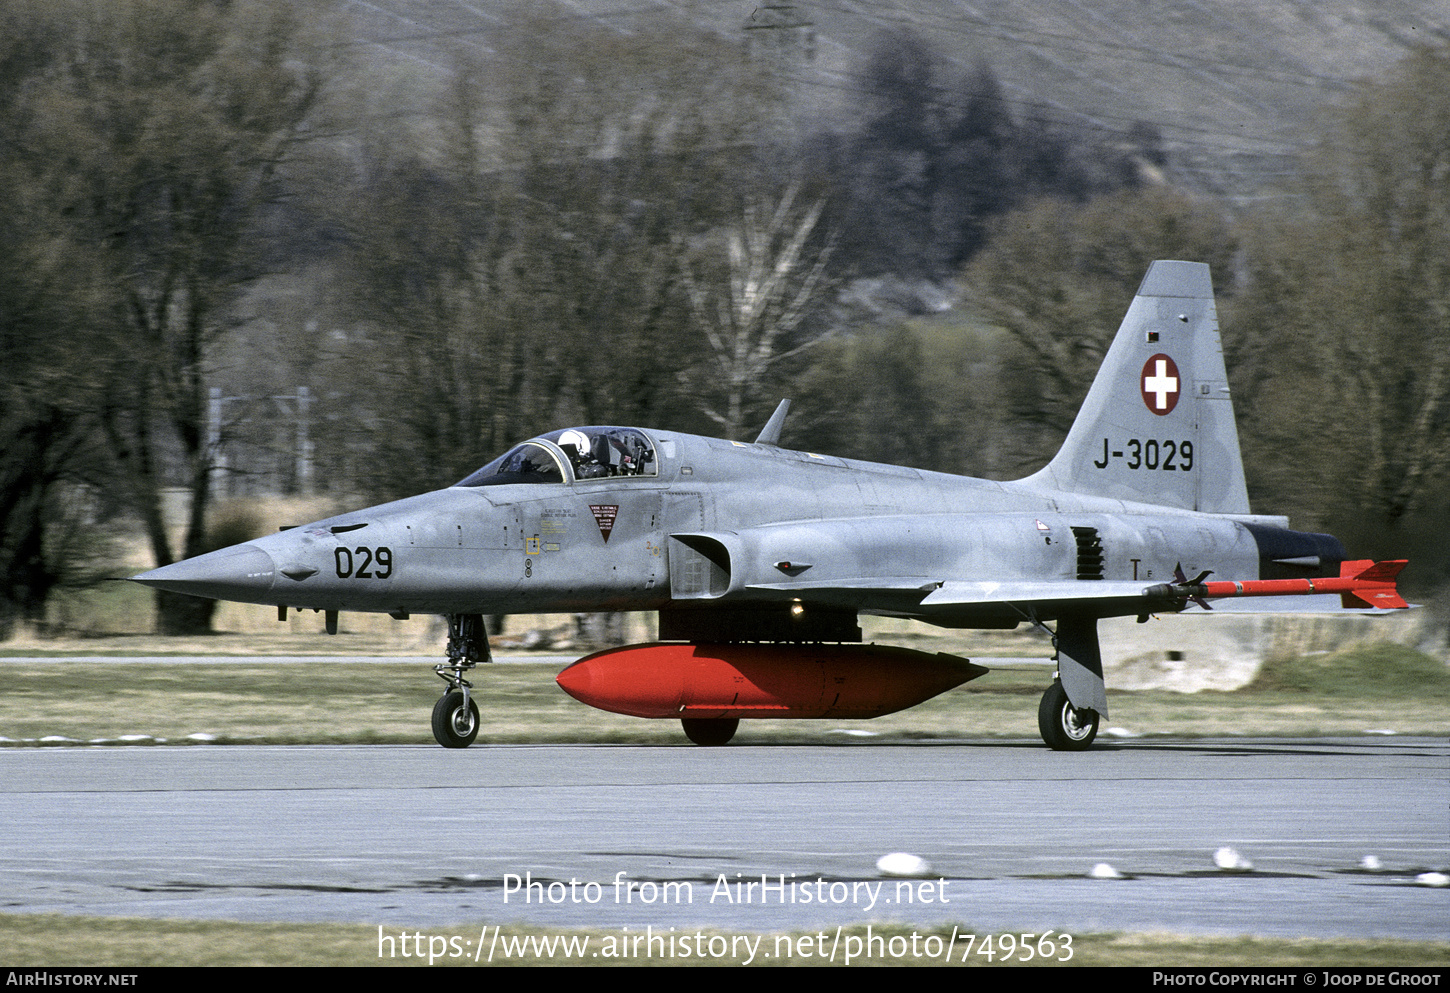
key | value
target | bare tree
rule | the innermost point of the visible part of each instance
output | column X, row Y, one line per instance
column 932, row 154
column 166, row 123
column 749, row 303
column 49, row 307
column 1351, row 295
column 1058, row 277
column 520, row 267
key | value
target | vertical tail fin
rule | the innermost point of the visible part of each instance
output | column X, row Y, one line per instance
column 1157, row 426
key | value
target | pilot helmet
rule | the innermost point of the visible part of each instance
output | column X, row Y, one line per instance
column 576, row 439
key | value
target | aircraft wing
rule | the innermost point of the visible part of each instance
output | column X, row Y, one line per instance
column 951, row 592
column 1146, row 596
column 863, row 586
column 988, row 603
column 959, row 593
column 1362, row 587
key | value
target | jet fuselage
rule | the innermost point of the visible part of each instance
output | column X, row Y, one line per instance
column 732, row 523
column 760, row 559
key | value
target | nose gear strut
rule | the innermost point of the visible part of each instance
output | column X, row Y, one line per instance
column 457, row 724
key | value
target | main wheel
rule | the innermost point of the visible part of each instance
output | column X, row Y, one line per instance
column 454, row 725
column 1064, row 727
column 703, row 731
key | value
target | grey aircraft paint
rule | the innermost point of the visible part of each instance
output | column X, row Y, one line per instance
column 753, row 542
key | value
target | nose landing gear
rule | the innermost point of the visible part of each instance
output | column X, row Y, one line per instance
column 455, row 715
column 455, row 719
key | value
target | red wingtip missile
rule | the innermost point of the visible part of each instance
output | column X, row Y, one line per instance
column 761, row 680
column 1359, row 583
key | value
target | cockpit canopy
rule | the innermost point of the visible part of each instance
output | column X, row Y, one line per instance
column 588, row 453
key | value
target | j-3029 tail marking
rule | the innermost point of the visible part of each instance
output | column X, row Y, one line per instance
column 760, row 560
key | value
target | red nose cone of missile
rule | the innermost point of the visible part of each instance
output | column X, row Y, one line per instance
column 734, row 681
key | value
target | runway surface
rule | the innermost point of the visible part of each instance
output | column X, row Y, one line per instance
column 420, row 836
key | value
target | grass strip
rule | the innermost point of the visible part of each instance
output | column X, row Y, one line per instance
column 55, row 940
column 1387, row 689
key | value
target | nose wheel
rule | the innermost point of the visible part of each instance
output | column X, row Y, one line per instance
column 455, row 720
column 455, row 715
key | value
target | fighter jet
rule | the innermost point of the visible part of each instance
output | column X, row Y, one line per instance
column 760, row 560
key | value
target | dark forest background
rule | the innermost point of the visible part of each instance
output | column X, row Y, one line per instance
column 239, row 260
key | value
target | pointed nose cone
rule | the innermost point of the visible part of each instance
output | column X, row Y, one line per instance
column 577, row 681
column 243, row 572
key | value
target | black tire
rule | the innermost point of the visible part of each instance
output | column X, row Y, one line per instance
column 453, row 726
column 703, row 731
column 1063, row 727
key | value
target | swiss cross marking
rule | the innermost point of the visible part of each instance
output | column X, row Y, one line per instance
column 1160, row 384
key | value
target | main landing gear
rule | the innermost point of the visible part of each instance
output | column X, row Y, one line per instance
column 707, row 731
column 1063, row 726
column 455, row 715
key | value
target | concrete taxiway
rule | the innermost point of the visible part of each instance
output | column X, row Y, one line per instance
column 421, row 836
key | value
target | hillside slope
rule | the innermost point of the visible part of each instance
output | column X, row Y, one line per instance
column 1230, row 85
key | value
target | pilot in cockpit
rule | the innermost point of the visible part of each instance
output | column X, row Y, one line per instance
column 584, row 455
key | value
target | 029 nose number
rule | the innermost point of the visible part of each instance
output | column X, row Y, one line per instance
column 363, row 562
